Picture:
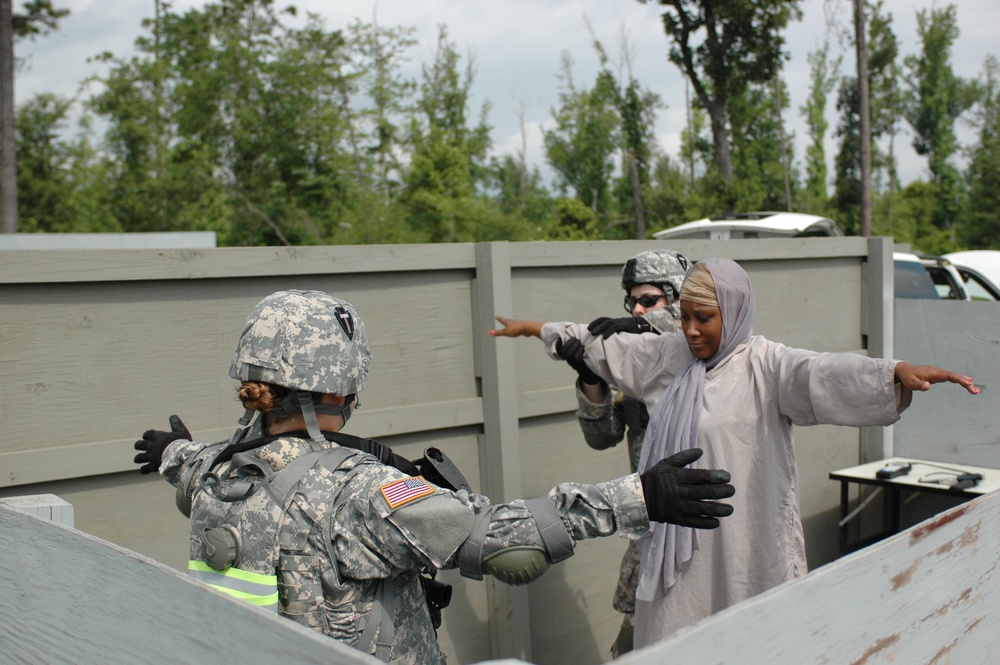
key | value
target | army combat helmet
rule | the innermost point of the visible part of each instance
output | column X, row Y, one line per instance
column 663, row 268
column 309, row 342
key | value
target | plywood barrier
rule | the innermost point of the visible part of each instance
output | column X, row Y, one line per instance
column 926, row 595
column 923, row 596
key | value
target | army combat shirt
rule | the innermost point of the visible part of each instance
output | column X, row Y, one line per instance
column 373, row 536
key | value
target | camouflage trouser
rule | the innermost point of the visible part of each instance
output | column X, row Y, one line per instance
column 624, row 600
column 623, row 643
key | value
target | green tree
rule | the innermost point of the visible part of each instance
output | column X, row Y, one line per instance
column 722, row 48
column 847, row 163
column 981, row 229
column 582, row 146
column 757, row 149
column 885, row 109
column 231, row 121
column 62, row 183
column 824, row 71
column 519, row 193
column 671, row 197
column 637, row 112
column 448, row 174
column 886, row 97
column 935, row 99
column 378, row 54
column 39, row 17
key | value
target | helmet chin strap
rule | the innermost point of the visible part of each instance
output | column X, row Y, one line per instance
column 310, row 407
column 297, row 402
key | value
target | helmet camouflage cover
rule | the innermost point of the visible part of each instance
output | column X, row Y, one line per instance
column 665, row 269
column 304, row 340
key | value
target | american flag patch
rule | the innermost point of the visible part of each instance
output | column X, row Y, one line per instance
column 405, row 490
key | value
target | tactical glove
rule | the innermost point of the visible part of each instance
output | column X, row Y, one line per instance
column 572, row 352
column 154, row 442
column 606, row 327
column 683, row 496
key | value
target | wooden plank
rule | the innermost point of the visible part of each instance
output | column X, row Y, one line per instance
column 39, row 465
column 46, row 506
column 73, row 599
column 616, row 252
column 927, row 595
column 55, row 266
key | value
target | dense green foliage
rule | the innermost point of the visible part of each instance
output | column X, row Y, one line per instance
column 238, row 119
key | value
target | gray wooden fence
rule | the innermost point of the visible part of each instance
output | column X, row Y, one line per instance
column 97, row 346
column 923, row 596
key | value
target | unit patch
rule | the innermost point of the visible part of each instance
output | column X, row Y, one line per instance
column 405, row 490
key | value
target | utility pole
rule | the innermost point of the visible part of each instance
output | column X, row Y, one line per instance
column 866, row 122
column 8, row 165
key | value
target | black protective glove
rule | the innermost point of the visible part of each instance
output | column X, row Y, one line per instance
column 606, row 327
column 683, row 496
column 572, row 352
column 154, row 442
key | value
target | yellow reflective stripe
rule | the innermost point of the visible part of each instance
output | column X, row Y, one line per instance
column 246, row 575
column 249, row 597
column 255, row 588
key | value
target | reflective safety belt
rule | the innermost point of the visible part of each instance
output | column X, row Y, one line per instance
column 258, row 588
column 254, row 588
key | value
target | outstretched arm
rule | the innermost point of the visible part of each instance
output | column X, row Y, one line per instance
column 920, row 377
column 517, row 328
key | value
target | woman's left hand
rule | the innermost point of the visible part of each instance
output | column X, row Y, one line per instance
column 920, row 377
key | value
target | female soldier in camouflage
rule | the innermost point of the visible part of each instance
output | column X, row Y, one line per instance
column 652, row 282
column 290, row 515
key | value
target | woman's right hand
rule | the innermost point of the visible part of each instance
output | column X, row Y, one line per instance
column 517, row 328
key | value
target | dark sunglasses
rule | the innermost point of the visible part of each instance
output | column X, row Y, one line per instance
column 646, row 301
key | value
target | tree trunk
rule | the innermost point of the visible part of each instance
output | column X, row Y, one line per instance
column 8, row 165
column 866, row 124
column 640, row 217
column 723, row 156
column 784, row 146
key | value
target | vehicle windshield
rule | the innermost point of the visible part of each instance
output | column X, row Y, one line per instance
column 912, row 281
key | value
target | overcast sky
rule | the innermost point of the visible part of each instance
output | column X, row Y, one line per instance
column 518, row 47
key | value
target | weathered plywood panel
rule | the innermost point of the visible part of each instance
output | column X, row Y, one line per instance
column 70, row 598
column 947, row 424
column 926, row 595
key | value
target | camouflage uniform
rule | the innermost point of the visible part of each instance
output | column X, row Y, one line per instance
column 342, row 538
column 605, row 424
column 332, row 585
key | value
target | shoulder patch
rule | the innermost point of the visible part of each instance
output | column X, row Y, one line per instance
column 405, row 490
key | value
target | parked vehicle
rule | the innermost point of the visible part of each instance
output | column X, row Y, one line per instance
column 981, row 263
column 975, row 277
column 940, row 279
column 754, row 225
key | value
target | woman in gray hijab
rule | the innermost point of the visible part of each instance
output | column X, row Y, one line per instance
column 736, row 396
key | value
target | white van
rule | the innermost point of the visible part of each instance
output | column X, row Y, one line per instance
column 916, row 275
column 755, row 225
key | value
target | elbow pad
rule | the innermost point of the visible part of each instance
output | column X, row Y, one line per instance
column 517, row 564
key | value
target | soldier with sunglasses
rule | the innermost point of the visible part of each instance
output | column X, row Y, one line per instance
column 652, row 282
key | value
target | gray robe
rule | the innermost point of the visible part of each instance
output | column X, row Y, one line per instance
column 752, row 399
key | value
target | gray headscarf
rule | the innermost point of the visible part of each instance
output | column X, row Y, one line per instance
column 673, row 425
